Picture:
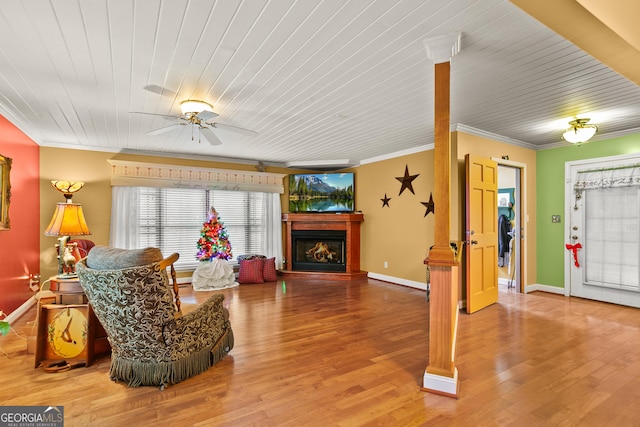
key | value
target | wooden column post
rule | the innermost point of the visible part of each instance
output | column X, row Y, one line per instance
column 441, row 374
column 441, row 251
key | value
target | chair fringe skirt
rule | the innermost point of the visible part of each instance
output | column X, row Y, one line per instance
column 137, row 373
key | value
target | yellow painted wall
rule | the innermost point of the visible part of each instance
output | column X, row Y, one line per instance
column 95, row 198
column 471, row 144
column 400, row 233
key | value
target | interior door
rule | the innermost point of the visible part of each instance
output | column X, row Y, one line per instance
column 481, row 230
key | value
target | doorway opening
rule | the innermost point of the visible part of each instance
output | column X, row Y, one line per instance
column 509, row 227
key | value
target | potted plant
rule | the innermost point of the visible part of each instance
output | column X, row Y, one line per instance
column 5, row 327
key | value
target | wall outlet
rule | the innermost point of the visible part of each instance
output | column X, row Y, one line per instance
column 386, row 264
column 555, row 219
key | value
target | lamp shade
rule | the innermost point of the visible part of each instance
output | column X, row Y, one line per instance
column 67, row 220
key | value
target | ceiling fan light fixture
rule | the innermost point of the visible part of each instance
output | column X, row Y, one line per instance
column 579, row 131
column 192, row 107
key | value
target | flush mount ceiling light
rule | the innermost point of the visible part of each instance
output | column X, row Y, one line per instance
column 579, row 131
column 192, row 107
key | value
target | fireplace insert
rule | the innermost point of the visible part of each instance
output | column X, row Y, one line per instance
column 318, row 250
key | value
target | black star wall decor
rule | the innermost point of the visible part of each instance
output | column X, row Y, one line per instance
column 406, row 180
column 385, row 201
column 429, row 205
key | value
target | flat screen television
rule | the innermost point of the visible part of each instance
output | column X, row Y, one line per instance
column 321, row 192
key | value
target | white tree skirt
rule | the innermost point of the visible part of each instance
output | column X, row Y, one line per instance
column 214, row 274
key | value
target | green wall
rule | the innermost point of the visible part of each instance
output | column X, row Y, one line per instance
column 550, row 199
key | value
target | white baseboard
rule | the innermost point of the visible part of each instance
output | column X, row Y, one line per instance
column 398, row 281
column 505, row 282
column 20, row 311
column 438, row 384
column 409, row 283
column 183, row 280
column 543, row 288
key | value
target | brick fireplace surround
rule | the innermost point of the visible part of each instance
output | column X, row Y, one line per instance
column 348, row 222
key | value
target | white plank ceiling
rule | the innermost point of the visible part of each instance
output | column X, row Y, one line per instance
column 319, row 81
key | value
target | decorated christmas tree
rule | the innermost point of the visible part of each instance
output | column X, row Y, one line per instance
column 214, row 241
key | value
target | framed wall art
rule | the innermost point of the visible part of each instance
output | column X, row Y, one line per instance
column 5, row 188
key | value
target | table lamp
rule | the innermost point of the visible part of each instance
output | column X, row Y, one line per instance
column 68, row 220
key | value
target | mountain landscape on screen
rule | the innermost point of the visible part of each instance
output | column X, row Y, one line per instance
column 324, row 192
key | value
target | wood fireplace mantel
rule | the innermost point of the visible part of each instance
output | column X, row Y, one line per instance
column 348, row 222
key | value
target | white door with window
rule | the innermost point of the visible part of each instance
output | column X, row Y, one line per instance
column 602, row 236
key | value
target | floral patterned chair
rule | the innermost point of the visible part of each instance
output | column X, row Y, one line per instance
column 152, row 343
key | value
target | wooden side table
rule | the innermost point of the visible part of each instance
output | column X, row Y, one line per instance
column 67, row 291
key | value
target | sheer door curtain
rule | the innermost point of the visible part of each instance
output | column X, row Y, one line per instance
column 612, row 225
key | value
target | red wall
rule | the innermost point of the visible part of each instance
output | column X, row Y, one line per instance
column 20, row 245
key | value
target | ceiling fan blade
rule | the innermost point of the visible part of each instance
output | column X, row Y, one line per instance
column 165, row 129
column 234, row 129
column 210, row 136
column 206, row 115
column 156, row 114
column 159, row 90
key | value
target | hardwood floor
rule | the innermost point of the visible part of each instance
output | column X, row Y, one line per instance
column 352, row 353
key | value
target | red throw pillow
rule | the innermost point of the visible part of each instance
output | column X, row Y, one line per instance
column 251, row 271
column 269, row 270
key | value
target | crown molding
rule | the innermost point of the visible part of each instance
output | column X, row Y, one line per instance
column 398, row 154
column 494, row 136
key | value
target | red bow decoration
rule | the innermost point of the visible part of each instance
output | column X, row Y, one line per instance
column 574, row 249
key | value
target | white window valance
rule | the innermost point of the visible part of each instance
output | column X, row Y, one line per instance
column 620, row 176
column 137, row 174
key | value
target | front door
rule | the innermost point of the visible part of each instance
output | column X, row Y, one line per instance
column 481, row 232
column 602, row 240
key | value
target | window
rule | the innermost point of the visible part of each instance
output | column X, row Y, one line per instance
column 610, row 222
column 171, row 219
column 611, row 237
column 165, row 206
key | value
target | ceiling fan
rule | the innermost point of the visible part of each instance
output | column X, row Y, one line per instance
column 198, row 114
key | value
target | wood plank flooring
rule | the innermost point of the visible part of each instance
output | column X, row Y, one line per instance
column 352, row 353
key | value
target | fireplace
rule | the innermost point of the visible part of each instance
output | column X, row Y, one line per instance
column 323, row 246
column 318, row 250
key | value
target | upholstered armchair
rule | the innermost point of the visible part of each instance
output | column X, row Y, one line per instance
column 152, row 343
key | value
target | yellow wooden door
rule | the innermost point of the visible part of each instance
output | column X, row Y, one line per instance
column 481, row 232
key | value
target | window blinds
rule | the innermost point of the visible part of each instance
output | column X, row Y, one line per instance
column 171, row 219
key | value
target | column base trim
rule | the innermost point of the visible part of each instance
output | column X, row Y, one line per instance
column 444, row 386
